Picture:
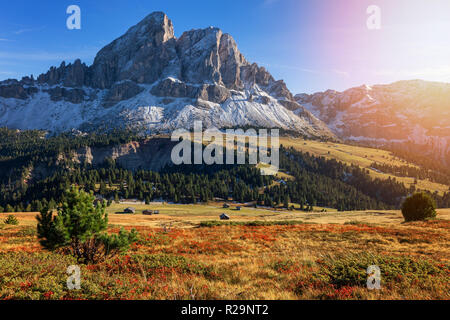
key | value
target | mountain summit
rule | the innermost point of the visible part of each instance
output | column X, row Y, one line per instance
column 149, row 79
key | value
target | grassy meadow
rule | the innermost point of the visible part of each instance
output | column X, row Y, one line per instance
column 186, row 252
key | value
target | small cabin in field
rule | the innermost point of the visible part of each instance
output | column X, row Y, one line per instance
column 147, row 212
column 156, row 212
column 226, row 205
column 223, row 216
column 130, row 210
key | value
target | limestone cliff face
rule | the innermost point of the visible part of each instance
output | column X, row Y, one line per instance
column 152, row 154
column 140, row 55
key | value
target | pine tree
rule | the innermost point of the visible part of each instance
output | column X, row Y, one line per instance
column 52, row 204
column 103, row 190
column 286, row 201
column 81, row 226
column 193, row 198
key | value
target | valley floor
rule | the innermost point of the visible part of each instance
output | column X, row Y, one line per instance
column 287, row 255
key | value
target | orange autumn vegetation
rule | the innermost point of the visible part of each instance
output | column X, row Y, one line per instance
column 302, row 261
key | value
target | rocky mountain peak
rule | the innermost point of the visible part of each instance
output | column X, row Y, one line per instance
column 149, row 52
column 155, row 29
column 148, row 77
column 140, row 55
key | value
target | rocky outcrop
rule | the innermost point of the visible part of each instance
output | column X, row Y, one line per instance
column 279, row 90
column 152, row 154
column 264, row 100
column 252, row 74
column 70, row 95
column 176, row 89
column 214, row 93
column 290, row 105
column 72, row 75
column 16, row 91
column 121, row 91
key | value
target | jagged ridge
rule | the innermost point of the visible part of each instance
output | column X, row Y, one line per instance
column 404, row 113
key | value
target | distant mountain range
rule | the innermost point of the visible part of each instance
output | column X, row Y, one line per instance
column 150, row 80
column 410, row 114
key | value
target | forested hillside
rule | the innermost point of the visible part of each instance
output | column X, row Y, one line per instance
column 316, row 181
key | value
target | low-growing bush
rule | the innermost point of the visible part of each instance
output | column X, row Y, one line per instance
column 419, row 206
column 12, row 220
column 282, row 265
column 27, row 232
column 351, row 270
column 359, row 223
column 35, row 276
column 152, row 262
column 249, row 223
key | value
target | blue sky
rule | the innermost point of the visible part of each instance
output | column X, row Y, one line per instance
column 313, row 45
